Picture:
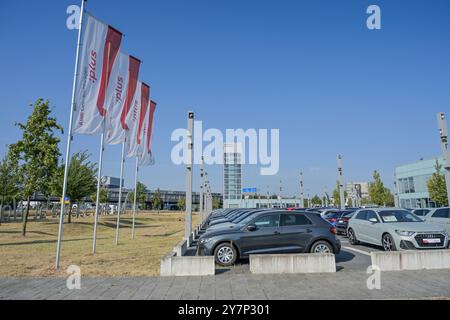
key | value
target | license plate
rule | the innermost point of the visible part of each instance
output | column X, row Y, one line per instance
column 431, row 240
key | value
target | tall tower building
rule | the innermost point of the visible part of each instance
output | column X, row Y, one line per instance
column 232, row 176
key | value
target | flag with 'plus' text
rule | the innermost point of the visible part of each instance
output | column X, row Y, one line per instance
column 146, row 158
column 100, row 48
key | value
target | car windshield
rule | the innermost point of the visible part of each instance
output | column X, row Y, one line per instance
column 392, row 216
column 349, row 214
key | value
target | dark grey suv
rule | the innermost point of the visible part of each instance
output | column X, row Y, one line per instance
column 270, row 232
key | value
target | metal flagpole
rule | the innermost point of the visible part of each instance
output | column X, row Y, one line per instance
column 119, row 206
column 135, row 198
column 100, row 167
column 189, row 171
column 69, row 138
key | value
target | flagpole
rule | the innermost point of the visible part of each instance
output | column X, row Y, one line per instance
column 135, row 198
column 100, row 167
column 122, row 163
column 69, row 139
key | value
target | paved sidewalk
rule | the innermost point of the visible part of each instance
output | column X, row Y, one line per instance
column 229, row 286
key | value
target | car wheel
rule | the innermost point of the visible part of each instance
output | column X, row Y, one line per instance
column 322, row 247
column 388, row 243
column 352, row 237
column 225, row 255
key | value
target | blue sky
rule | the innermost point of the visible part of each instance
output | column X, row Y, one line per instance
column 310, row 68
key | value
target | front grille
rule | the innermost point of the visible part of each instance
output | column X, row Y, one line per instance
column 420, row 237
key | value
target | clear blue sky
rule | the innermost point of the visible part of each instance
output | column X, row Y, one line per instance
column 310, row 68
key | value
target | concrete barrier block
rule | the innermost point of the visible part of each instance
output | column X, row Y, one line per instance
column 166, row 264
column 292, row 263
column 386, row 261
column 187, row 266
column 181, row 248
column 432, row 259
column 411, row 260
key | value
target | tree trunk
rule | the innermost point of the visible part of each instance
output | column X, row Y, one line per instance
column 25, row 218
column 69, row 220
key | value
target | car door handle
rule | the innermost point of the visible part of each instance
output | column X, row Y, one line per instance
column 309, row 231
column 276, row 232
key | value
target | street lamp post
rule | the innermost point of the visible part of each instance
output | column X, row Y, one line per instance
column 189, row 169
column 443, row 132
column 302, row 193
column 341, row 182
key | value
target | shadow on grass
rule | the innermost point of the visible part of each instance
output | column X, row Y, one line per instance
column 29, row 232
column 168, row 234
column 42, row 242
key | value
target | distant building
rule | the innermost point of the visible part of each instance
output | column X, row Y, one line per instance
column 111, row 182
column 412, row 183
column 362, row 189
column 232, row 175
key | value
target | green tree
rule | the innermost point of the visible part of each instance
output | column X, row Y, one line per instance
column 181, row 204
column 216, row 204
column 437, row 187
column 81, row 182
column 378, row 193
column 316, row 201
column 103, row 195
column 141, row 197
column 336, row 195
column 157, row 202
column 37, row 153
column 9, row 186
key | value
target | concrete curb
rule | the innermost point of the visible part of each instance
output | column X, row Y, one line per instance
column 292, row 263
column 411, row 260
column 173, row 266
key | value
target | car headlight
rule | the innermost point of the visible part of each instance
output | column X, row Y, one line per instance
column 404, row 233
column 206, row 240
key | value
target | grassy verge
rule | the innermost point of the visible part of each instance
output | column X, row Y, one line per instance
column 34, row 255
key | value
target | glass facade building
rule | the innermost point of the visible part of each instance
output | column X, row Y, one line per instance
column 232, row 175
column 412, row 183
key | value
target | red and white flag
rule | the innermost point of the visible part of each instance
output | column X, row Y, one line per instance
column 135, row 120
column 121, row 92
column 101, row 45
column 146, row 158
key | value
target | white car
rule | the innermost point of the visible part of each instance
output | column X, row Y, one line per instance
column 395, row 229
column 440, row 216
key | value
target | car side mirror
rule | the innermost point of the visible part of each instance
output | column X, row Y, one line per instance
column 373, row 220
column 252, row 228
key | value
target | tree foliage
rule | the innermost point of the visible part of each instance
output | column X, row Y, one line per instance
column 181, row 204
column 9, row 186
column 157, row 202
column 103, row 195
column 316, row 200
column 336, row 195
column 141, row 197
column 81, row 181
column 378, row 193
column 437, row 187
column 37, row 153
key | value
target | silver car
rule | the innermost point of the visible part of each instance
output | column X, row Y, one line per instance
column 395, row 229
column 440, row 216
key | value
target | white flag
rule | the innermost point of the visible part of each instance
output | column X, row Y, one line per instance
column 121, row 92
column 135, row 120
column 146, row 158
column 101, row 45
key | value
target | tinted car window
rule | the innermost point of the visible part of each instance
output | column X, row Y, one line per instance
column 391, row 216
column 442, row 213
column 349, row 214
column 294, row 220
column 269, row 221
column 371, row 215
column 361, row 215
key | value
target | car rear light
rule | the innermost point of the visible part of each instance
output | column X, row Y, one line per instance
column 333, row 231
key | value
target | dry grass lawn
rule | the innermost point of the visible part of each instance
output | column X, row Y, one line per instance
column 34, row 255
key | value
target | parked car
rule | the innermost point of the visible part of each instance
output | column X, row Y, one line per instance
column 395, row 229
column 341, row 222
column 421, row 212
column 440, row 216
column 226, row 222
column 270, row 232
